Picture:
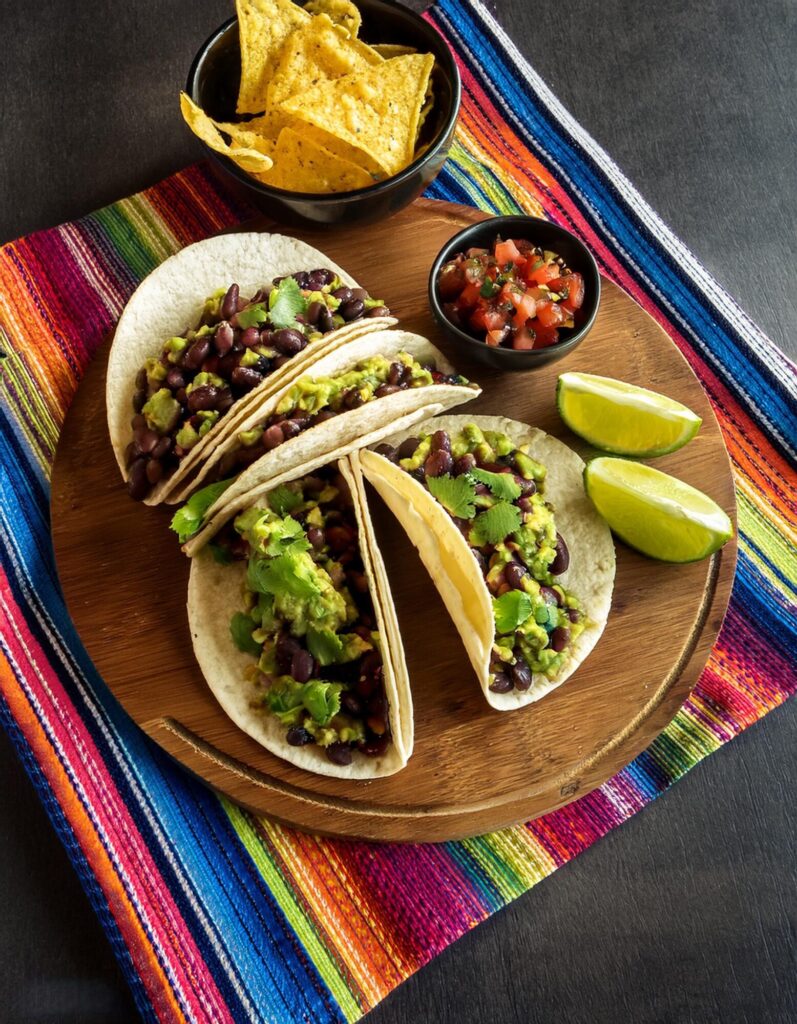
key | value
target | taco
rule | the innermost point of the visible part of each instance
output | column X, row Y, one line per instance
column 295, row 632
column 523, row 562
column 209, row 333
column 351, row 397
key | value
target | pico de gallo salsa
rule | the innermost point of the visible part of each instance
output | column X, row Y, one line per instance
column 513, row 295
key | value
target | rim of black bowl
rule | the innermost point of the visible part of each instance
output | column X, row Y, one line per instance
column 370, row 190
column 495, row 223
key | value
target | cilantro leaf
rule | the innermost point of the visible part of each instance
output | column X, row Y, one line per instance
column 287, row 574
column 252, row 316
column 494, row 525
column 322, row 700
column 241, row 629
column 324, row 645
column 455, row 494
column 283, row 500
column 501, row 485
column 187, row 520
column 511, row 610
column 284, row 302
column 287, row 537
column 286, row 702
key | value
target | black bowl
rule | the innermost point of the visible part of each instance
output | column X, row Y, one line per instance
column 539, row 232
column 213, row 84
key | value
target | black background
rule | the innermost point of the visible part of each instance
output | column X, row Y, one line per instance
column 686, row 913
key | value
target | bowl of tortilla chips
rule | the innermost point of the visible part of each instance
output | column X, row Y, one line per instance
column 327, row 113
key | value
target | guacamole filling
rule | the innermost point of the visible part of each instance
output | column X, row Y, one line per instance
column 313, row 400
column 495, row 494
column 236, row 344
column 307, row 618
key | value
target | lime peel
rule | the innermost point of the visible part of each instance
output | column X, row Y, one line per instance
column 622, row 418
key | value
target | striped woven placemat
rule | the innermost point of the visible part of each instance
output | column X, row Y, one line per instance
column 217, row 915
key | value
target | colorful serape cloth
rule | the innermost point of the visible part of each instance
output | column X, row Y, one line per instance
column 216, row 915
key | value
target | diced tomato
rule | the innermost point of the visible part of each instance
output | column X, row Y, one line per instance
column 525, row 309
column 473, row 269
column 511, row 293
column 450, row 281
column 571, row 287
column 542, row 275
column 469, row 296
column 545, row 336
column 550, row 314
column 507, row 252
column 524, row 339
column 494, row 338
column 487, row 318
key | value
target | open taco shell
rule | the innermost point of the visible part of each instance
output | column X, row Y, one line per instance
column 454, row 569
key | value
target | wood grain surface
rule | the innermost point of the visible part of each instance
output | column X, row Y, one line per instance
column 473, row 769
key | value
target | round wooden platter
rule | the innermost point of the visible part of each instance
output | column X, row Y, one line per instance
column 473, row 769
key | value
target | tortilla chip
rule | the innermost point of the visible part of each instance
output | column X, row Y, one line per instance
column 388, row 50
column 264, row 26
column 301, row 165
column 376, row 110
column 342, row 12
column 246, row 148
column 342, row 149
column 319, row 51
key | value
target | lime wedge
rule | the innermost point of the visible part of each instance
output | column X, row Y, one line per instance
column 622, row 418
column 655, row 513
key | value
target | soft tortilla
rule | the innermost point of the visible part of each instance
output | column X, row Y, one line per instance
column 337, row 436
column 455, row 571
column 170, row 298
column 214, row 595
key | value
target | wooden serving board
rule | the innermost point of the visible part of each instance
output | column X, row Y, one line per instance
column 473, row 769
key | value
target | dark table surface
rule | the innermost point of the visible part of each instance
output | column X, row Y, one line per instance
column 687, row 913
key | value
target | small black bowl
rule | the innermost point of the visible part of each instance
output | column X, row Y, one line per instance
column 548, row 236
column 213, row 83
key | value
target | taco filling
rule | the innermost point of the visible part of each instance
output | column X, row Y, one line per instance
column 236, row 345
column 307, row 618
column 314, row 400
column 495, row 494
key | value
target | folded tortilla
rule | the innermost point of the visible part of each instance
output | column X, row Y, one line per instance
column 171, row 298
column 453, row 566
column 215, row 594
column 337, row 436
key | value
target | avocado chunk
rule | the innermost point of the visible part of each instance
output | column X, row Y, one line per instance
column 162, row 411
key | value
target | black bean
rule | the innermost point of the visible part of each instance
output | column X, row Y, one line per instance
column 137, row 484
column 560, row 638
column 145, row 440
column 324, row 275
column 375, row 747
column 438, row 464
column 141, row 379
column 138, row 422
column 316, row 537
column 163, row 447
column 244, row 378
column 298, row 737
column 175, row 379
column 441, row 442
column 527, row 487
column 326, row 320
column 550, row 596
column 224, row 338
column 314, row 312
column 573, row 614
column 407, row 447
column 139, row 398
column 288, row 341
column 131, row 453
column 359, row 293
column 316, row 279
column 514, row 575
column 203, row 397
column 386, row 389
column 521, row 675
column 273, row 436
column 388, row 451
column 378, row 311
column 352, row 399
column 352, row 310
column 339, row 538
column 197, row 353
column 395, row 374
column 250, row 337
column 154, row 471
column 464, row 464
column 290, row 428
column 501, row 683
column 323, row 416
column 302, row 278
column 225, row 400
column 339, row 753
column 280, row 361
column 524, row 504
column 285, row 650
column 343, row 293
column 562, row 559
column 229, row 305
column 302, row 666
column 351, row 704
